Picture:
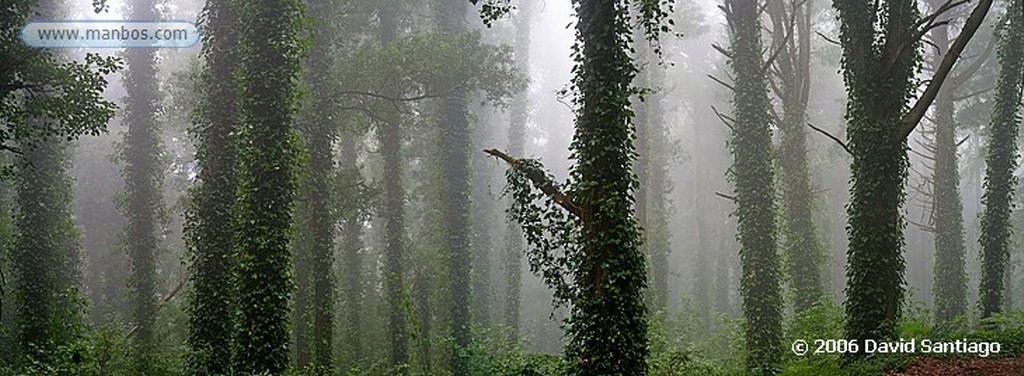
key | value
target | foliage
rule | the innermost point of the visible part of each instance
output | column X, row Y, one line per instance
column 39, row 84
column 585, row 241
column 209, row 230
column 45, row 255
column 879, row 59
column 492, row 354
column 143, row 175
column 753, row 176
column 1001, row 161
column 270, row 49
column 314, row 221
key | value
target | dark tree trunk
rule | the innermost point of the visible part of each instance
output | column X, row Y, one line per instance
column 1001, row 163
column 950, row 279
column 209, row 221
column 455, row 137
column 753, row 176
column 268, row 158
column 143, row 175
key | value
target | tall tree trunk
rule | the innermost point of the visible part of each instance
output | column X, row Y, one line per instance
column 950, row 279
column 484, row 206
column 143, row 175
column 352, row 246
column 1001, row 162
column 45, row 252
column 269, row 32
column 208, row 230
column 653, row 154
column 753, row 176
column 315, row 218
column 802, row 246
column 879, row 43
column 519, row 117
column 608, row 326
column 455, row 137
column 390, row 137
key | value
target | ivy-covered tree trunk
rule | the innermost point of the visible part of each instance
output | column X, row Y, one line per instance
column 1001, row 162
column 879, row 43
column 455, row 136
column 791, row 33
column 608, row 326
column 519, row 116
column 950, row 279
column 315, row 218
column 585, row 242
column 45, row 252
column 209, row 228
column 143, row 205
column 351, row 246
column 753, row 176
column 391, row 138
column 268, row 31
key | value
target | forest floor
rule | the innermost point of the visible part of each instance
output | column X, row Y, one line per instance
column 925, row 366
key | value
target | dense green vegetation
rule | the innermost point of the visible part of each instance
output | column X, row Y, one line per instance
column 513, row 187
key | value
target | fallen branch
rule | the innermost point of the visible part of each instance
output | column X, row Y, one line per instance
column 541, row 181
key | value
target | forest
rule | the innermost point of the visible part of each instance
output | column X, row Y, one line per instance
column 512, row 187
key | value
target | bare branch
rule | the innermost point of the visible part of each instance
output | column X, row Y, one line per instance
column 728, row 121
column 721, row 50
column 913, row 117
column 919, row 154
column 827, row 39
column 969, row 72
column 720, row 82
column 725, row 196
column 974, row 94
column 963, row 141
column 834, row 138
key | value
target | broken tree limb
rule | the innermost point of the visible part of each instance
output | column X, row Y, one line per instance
column 160, row 305
column 540, row 180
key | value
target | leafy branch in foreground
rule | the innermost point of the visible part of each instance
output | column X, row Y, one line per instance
column 544, row 217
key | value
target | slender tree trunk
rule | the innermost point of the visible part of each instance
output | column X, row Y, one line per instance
column 950, row 279
column 753, row 176
column 653, row 154
column 315, row 218
column 455, row 138
column 390, row 137
column 208, row 230
column 1001, row 163
column 143, row 175
column 268, row 158
column 801, row 245
column 352, row 247
column 519, row 117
